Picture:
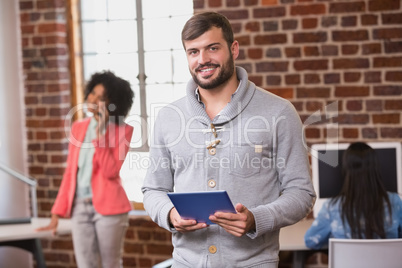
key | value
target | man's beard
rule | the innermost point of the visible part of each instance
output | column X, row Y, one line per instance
column 224, row 75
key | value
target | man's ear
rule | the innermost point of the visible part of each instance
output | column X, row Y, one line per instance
column 235, row 49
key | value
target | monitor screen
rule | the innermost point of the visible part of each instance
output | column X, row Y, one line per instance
column 327, row 168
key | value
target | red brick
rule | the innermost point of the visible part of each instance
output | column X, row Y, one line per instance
column 393, row 104
column 374, row 105
column 133, row 248
column 310, row 51
column 350, row 133
column 345, row 7
column 344, row 63
column 58, row 244
column 253, row 26
column 372, row 77
column 354, row 105
column 312, row 92
column 313, row 9
column 272, row 66
column 232, row 3
column 393, row 47
column 300, row 65
column 370, row 133
column 393, row 76
column 298, row 105
column 248, row 3
column 329, row 50
column 269, row 2
column 155, row 249
column 27, row 29
column 50, row 4
column 255, row 53
column 309, row 23
column 388, row 90
column 55, row 39
column 314, row 105
column 353, row 119
column 350, row 49
column 237, row 14
column 34, row 170
column 25, row 5
column 198, row 4
column 311, row 78
column 293, row 52
column 292, row 79
column 312, row 133
column 380, row 62
column 256, row 79
column 269, row 12
column 386, row 118
column 369, row 19
column 144, row 235
column 394, row 132
column 34, row 147
column 349, row 21
column 55, row 146
column 58, row 159
column 332, row 78
column 357, row 35
column 51, row 28
column 372, row 48
column 215, row 3
column 387, row 33
column 270, row 39
column 351, row 77
column 289, row 24
column 391, row 18
column 350, row 91
column 273, row 80
column 381, row 5
column 315, row 37
column 287, row 93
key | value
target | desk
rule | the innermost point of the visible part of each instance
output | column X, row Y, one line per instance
column 291, row 238
column 24, row 236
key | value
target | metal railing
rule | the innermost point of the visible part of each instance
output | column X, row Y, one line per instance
column 30, row 181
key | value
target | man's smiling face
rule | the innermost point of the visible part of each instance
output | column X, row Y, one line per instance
column 210, row 61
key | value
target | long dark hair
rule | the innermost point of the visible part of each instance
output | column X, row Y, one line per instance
column 363, row 195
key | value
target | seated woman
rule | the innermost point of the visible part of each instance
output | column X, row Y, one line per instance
column 363, row 209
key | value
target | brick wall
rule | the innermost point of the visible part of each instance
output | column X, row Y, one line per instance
column 313, row 53
column 316, row 52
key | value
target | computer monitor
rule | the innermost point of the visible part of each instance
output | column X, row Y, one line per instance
column 326, row 161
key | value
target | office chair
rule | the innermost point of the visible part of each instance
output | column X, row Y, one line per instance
column 367, row 253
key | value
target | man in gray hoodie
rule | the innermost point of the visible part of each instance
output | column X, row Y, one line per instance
column 227, row 134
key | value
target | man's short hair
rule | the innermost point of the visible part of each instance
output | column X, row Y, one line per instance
column 200, row 23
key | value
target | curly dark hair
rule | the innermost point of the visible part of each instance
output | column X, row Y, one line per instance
column 118, row 94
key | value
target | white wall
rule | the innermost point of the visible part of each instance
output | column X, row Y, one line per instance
column 14, row 199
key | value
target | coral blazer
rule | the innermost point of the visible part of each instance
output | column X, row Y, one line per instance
column 108, row 195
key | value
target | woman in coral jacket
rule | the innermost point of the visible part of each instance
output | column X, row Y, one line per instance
column 91, row 192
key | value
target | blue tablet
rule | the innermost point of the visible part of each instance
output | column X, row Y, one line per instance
column 200, row 205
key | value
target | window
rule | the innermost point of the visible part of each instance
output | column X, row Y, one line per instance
column 140, row 41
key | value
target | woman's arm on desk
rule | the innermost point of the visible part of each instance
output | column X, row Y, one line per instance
column 317, row 236
column 54, row 222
